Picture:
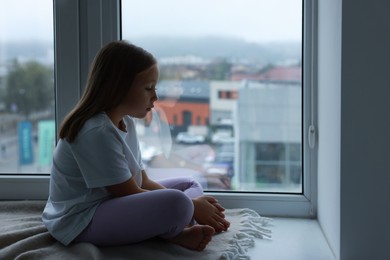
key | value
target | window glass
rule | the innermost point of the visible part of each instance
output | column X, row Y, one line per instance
column 230, row 91
column 27, row 126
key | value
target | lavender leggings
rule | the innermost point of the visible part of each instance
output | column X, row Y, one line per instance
column 130, row 219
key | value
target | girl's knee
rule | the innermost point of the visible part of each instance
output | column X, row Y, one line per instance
column 179, row 204
column 197, row 184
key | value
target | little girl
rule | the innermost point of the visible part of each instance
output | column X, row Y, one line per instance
column 99, row 190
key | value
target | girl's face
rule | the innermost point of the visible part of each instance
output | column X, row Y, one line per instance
column 142, row 93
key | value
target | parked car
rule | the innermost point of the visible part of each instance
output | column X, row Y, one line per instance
column 193, row 160
column 222, row 137
column 224, row 160
column 189, row 138
column 222, row 167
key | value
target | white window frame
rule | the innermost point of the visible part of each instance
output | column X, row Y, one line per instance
column 83, row 27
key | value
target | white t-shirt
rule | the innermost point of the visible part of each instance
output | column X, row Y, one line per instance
column 101, row 155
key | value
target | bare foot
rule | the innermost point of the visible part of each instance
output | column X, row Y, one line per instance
column 208, row 211
column 196, row 237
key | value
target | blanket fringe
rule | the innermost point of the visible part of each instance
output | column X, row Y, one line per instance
column 252, row 226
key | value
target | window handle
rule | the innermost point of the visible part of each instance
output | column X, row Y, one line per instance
column 312, row 136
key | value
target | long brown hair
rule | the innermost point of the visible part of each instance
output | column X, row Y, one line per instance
column 111, row 74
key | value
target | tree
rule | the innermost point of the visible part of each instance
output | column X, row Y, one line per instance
column 29, row 88
column 220, row 69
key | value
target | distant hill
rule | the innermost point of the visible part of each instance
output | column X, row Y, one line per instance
column 205, row 47
column 221, row 47
column 26, row 49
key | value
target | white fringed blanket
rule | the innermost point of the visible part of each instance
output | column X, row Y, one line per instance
column 23, row 236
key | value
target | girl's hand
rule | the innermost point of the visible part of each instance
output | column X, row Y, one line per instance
column 207, row 211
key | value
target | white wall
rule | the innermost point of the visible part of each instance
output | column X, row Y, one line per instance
column 329, row 89
column 365, row 130
column 354, row 127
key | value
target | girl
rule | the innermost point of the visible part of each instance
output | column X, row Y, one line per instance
column 99, row 190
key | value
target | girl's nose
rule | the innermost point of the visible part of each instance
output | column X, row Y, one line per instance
column 155, row 98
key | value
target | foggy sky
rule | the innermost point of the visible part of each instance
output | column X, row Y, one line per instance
column 251, row 20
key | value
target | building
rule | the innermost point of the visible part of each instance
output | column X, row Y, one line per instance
column 223, row 97
column 270, row 74
column 267, row 125
column 185, row 103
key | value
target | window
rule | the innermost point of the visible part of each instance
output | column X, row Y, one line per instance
column 27, row 120
column 83, row 27
column 248, row 55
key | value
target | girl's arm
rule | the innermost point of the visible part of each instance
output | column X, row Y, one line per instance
column 130, row 187
column 149, row 184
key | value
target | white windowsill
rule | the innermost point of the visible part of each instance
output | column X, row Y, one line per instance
column 293, row 239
